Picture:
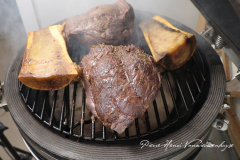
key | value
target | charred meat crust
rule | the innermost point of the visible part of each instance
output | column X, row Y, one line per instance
column 120, row 82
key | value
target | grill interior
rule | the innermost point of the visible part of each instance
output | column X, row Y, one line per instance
column 180, row 97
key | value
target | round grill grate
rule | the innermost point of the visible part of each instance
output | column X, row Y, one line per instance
column 65, row 112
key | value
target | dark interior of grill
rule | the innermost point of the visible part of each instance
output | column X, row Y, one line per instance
column 182, row 94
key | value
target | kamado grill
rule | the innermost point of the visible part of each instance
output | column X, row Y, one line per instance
column 58, row 125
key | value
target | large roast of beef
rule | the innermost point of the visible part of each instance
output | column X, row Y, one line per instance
column 121, row 82
column 108, row 24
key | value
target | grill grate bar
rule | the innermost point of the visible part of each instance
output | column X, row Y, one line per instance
column 73, row 108
column 190, row 91
column 27, row 96
column 53, row 108
column 172, row 95
column 65, row 132
column 180, row 90
column 165, row 104
column 93, row 126
column 198, row 67
column 76, row 124
column 83, row 114
column 35, row 101
column 104, row 132
column 63, row 109
column 44, row 105
column 21, row 86
column 194, row 78
column 157, row 114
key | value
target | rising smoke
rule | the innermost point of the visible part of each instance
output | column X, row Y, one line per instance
column 12, row 34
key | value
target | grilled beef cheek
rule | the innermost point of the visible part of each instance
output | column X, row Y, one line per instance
column 108, row 24
column 120, row 82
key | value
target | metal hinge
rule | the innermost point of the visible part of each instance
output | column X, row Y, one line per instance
column 213, row 38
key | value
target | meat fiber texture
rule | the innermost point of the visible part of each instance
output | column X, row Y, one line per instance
column 108, row 24
column 121, row 82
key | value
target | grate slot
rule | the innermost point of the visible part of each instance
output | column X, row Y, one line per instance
column 172, row 95
column 73, row 108
column 165, row 104
column 127, row 133
column 180, row 90
column 157, row 114
column 115, row 135
column 137, row 126
column 147, row 122
column 83, row 113
column 67, row 105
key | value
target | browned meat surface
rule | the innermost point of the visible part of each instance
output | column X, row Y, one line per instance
column 108, row 24
column 121, row 83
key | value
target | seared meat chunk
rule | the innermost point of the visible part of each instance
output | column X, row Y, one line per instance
column 121, row 82
column 108, row 24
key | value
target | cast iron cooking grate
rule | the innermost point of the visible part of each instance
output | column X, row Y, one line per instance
column 64, row 111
